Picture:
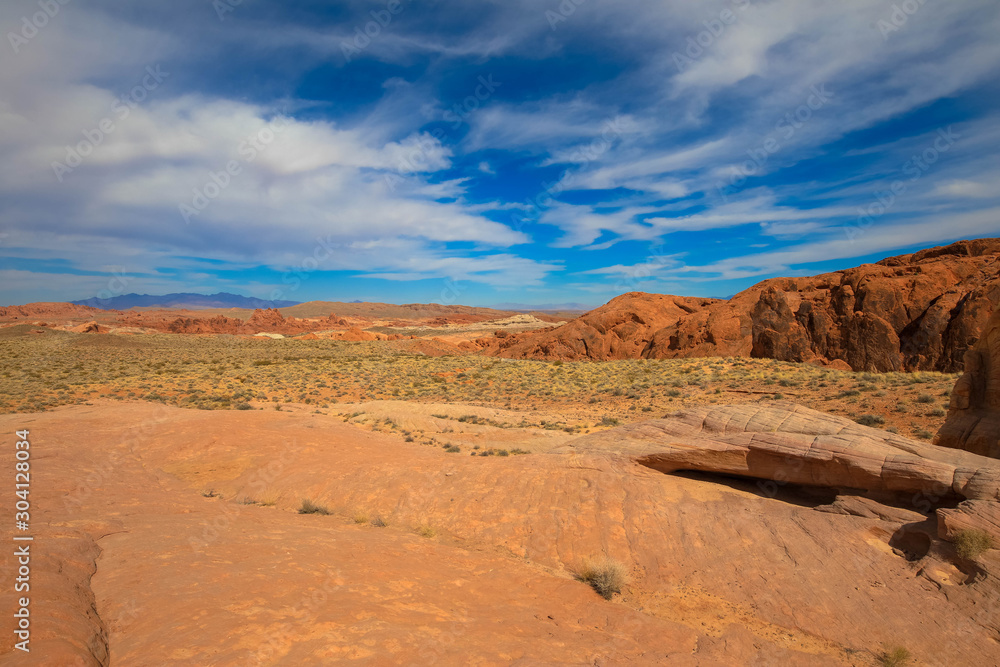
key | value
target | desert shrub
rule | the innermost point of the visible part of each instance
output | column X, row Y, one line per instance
column 453, row 449
column 308, row 507
column 925, row 398
column 360, row 518
column 426, row 531
column 895, row 656
column 870, row 420
column 937, row 412
column 268, row 498
column 378, row 522
column 972, row 543
column 243, row 406
column 610, row 421
column 605, row 575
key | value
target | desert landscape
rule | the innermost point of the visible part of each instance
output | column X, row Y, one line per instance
column 445, row 485
column 512, row 333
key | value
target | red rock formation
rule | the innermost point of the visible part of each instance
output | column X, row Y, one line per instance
column 797, row 445
column 911, row 312
column 621, row 329
column 217, row 324
column 973, row 422
column 89, row 327
column 267, row 320
column 48, row 310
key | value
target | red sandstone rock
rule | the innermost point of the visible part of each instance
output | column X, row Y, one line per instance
column 267, row 320
column 89, row 327
column 47, row 309
column 911, row 312
column 973, row 422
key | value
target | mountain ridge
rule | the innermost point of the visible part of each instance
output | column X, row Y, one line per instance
column 181, row 300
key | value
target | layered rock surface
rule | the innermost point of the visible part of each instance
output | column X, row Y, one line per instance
column 792, row 444
column 912, row 312
column 723, row 571
column 973, row 422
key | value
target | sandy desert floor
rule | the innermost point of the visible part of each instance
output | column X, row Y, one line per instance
column 452, row 518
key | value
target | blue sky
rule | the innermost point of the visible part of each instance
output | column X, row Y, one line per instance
column 479, row 153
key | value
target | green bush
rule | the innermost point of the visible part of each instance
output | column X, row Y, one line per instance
column 870, row 420
column 972, row 543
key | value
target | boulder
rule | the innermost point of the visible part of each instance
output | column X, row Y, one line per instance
column 973, row 422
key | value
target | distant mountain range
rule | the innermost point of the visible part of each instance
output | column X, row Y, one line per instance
column 182, row 300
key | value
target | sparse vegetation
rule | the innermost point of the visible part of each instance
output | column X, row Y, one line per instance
column 870, row 420
column 972, row 543
column 894, row 656
column 210, row 373
column 309, row 507
column 605, row 575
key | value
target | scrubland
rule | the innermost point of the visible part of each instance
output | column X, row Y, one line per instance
column 45, row 370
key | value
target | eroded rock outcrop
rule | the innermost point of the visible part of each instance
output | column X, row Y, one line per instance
column 788, row 443
column 973, row 422
column 912, row 312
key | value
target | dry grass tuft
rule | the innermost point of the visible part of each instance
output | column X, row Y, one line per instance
column 894, row 656
column 605, row 575
column 309, row 507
